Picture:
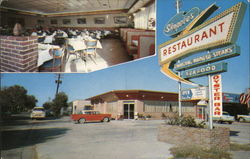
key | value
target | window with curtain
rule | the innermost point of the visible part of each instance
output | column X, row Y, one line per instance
column 166, row 106
column 112, row 107
column 145, row 19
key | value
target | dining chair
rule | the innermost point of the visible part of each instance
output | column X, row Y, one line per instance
column 49, row 39
column 91, row 46
column 70, row 51
column 55, row 64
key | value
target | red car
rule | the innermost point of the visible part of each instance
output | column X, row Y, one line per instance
column 90, row 115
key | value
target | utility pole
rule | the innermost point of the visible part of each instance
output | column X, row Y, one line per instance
column 58, row 82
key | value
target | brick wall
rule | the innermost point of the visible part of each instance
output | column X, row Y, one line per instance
column 18, row 54
column 178, row 135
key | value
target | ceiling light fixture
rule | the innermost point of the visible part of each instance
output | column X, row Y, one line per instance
column 2, row 1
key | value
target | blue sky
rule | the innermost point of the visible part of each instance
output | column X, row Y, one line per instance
column 141, row 74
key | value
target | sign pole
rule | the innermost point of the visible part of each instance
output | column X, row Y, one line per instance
column 179, row 97
column 210, row 118
column 177, row 6
column 179, row 82
column 210, row 103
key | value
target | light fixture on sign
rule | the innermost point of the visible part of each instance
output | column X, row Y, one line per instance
column 202, row 102
column 142, row 9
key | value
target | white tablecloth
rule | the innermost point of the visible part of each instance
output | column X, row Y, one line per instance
column 99, row 45
column 79, row 44
column 43, row 53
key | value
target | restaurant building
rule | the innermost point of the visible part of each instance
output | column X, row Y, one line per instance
column 79, row 105
column 130, row 103
column 74, row 36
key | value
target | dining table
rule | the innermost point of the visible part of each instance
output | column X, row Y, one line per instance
column 43, row 53
column 79, row 44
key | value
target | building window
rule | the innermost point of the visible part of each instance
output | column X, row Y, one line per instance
column 120, row 20
column 40, row 22
column 81, row 21
column 99, row 20
column 66, row 21
column 166, row 106
column 112, row 107
column 53, row 21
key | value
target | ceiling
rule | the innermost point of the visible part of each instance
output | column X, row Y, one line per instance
column 73, row 6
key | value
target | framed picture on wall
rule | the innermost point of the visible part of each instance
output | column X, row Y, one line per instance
column 13, row 20
column 53, row 21
column 81, row 21
column 120, row 20
column 39, row 22
column 66, row 21
column 99, row 20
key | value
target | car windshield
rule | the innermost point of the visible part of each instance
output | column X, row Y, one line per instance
column 38, row 109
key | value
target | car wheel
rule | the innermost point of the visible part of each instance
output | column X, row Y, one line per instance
column 106, row 119
column 230, row 122
column 82, row 121
column 241, row 120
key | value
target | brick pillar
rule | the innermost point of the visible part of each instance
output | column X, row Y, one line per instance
column 18, row 54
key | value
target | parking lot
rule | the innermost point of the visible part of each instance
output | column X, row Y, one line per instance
column 62, row 139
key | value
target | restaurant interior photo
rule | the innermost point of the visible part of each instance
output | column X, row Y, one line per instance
column 74, row 35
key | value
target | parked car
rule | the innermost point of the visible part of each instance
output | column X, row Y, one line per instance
column 90, row 115
column 38, row 113
column 226, row 117
column 243, row 118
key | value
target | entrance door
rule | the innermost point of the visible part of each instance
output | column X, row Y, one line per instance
column 129, row 111
column 201, row 112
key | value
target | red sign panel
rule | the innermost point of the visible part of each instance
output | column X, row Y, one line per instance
column 216, row 95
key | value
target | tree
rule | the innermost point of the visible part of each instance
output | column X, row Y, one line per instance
column 15, row 99
column 59, row 102
column 30, row 101
column 48, row 105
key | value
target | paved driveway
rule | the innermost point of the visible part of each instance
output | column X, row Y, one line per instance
column 127, row 139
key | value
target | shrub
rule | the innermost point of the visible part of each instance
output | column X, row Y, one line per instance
column 198, row 153
column 239, row 147
column 187, row 121
column 163, row 116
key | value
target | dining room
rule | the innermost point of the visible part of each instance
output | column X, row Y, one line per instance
column 69, row 36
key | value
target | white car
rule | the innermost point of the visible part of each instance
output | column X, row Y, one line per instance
column 243, row 118
column 38, row 113
column 226, row 117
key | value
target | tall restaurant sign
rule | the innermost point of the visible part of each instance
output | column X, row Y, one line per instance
column 217, row 95
column 180, row 21
column 216, row 32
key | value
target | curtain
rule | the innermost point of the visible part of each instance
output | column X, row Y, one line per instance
column 144, row 18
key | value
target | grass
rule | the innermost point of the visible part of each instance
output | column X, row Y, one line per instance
column 239, row 147
column 196, row 152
